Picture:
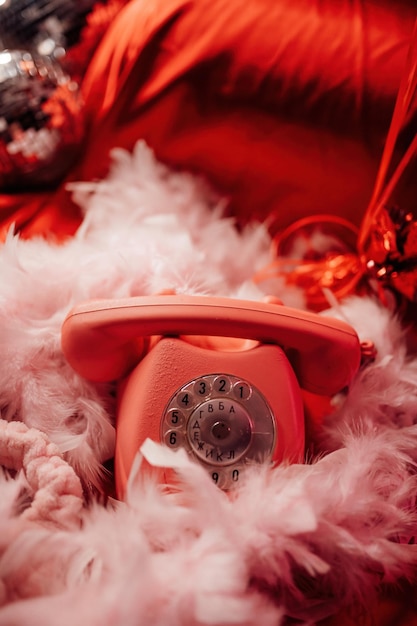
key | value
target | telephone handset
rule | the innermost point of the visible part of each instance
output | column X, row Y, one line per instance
column 228, row 408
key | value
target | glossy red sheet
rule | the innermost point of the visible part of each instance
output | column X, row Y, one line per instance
column 282, row 104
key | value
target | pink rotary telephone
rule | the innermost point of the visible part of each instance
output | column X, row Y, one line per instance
column 228, row 403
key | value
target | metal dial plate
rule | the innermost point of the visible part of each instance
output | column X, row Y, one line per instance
column 222, row 421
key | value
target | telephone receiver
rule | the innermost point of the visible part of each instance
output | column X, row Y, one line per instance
column 229, row 408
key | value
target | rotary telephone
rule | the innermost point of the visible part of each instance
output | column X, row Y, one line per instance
column 229, row 402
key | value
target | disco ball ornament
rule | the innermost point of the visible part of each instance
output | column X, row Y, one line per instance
column 48, row 27
column 40, row 121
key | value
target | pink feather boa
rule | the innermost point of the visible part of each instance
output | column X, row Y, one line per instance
column 302, row 540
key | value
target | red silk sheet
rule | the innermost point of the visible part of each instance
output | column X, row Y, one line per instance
column 283, row 105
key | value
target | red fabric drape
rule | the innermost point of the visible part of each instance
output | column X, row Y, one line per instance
column 282, row 104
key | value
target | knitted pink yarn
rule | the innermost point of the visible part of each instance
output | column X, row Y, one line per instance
column 56, row 489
